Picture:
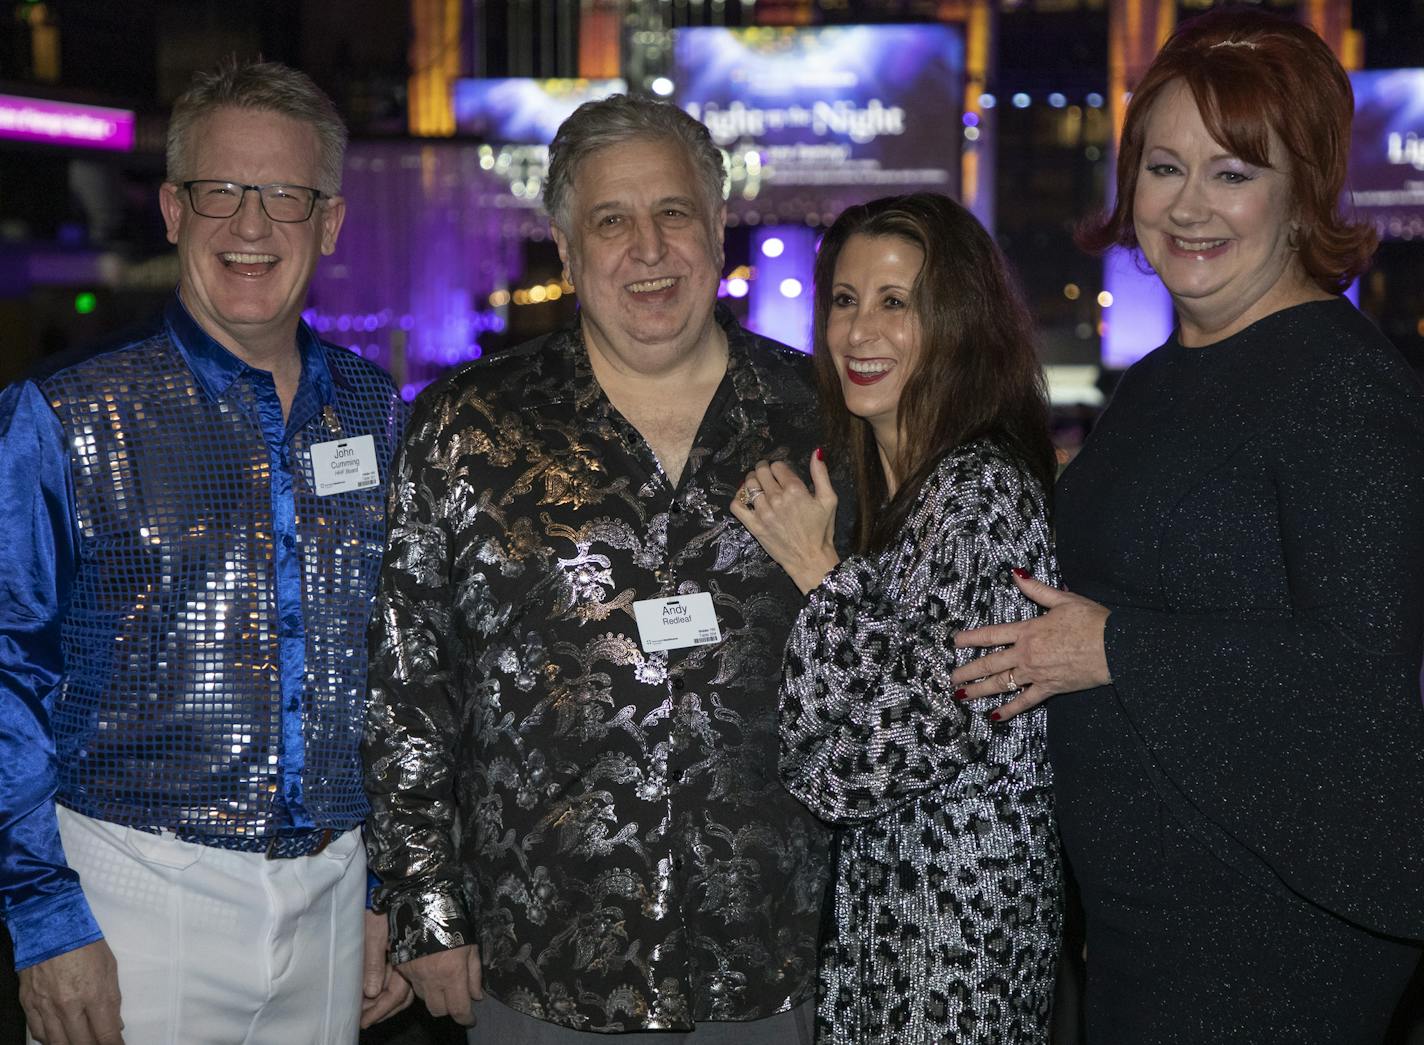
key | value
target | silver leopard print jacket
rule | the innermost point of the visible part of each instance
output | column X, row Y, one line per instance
column 946, row 903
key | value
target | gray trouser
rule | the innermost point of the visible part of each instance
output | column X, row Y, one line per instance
column 498, row 1024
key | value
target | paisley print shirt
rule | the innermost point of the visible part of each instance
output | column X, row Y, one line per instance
column 607, row 824
column 945, row 898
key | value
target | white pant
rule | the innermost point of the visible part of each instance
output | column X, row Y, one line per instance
column 221, row 947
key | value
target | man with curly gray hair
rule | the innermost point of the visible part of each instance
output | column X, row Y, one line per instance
column 572, row 749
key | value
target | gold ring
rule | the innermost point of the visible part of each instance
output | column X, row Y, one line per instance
column 1013, row 686
column 749, row 494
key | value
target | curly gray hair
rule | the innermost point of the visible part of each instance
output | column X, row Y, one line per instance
column 621, row 118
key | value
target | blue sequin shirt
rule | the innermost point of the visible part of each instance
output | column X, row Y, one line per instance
column 182, row 613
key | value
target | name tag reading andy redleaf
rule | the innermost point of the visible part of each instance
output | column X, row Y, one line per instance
column 683, row 620
column 342, row 465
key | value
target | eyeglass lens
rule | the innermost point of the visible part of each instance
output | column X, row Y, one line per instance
column 223, row 199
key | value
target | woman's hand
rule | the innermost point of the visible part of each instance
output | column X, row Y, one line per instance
column 1059, row 652
column 795, row 525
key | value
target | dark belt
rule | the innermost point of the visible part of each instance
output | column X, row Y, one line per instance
column 285, row 845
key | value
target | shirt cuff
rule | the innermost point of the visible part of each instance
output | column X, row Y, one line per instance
column 426, row 922
column 50, row 926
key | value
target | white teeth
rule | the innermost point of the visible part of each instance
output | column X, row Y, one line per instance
column 647, row 286
column 233, row 258
column 868, row 366
column 1198, row 245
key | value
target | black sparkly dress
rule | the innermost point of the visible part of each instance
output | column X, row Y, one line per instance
column 1244, row 805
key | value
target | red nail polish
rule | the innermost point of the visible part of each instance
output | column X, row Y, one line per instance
column 1021, row 573
column 993, row 716
column 959, row 694
column 820, row 456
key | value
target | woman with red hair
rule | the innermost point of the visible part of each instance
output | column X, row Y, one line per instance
column 1239, row 756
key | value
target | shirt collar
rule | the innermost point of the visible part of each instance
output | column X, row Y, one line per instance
column 216, row 368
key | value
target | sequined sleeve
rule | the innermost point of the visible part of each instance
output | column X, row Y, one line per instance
column 867, row 717
column 43, row 906
column 412, row 720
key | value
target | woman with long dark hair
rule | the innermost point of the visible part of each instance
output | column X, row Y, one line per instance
column 946, row 902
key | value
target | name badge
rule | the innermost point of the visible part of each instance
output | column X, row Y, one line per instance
column 683, row 620
column 342, row 465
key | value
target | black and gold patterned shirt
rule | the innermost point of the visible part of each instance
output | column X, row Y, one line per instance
column 607, row 824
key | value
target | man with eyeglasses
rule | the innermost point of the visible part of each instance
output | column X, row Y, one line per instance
column 194, row 523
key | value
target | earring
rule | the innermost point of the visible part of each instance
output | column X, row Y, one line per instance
column 1293, row 237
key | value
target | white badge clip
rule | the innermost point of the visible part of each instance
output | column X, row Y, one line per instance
column 672, row 623
column 341, row 465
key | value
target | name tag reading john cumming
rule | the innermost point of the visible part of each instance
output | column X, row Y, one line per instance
column 342, row 465
column 683, row 620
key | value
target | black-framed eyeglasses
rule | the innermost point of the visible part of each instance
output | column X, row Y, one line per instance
column 223, row 199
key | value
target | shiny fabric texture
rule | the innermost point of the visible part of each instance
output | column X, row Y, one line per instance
column 946, row 889
column 607, row 824
column 182, row 617
column 1252, row 513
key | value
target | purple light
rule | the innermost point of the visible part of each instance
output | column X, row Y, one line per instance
column 1141, row 316
column 63, row 123
column 773, row 313
column 970, row 119
column 405, row 280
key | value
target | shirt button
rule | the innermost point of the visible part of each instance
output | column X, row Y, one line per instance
column 291, row 624
column 678, row 683
column 286, row 459
column 289, row 542
column 677, row 863
column 675, row 508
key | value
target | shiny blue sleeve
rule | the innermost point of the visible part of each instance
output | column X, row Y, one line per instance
column 40, row 897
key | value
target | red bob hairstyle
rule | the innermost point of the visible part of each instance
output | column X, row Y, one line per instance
column 1253, row 74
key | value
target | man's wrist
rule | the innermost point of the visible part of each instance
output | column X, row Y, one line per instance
column 48, row 926
column 427, row 922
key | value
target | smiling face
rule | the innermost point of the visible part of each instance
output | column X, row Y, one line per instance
column 871, row 329
column 1216, row 229
column 644, row 252
column 245, row 278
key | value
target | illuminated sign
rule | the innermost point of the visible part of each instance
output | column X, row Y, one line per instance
column 1387, row 151
column 522, row 111
column 816, row 119
column 63, row 123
